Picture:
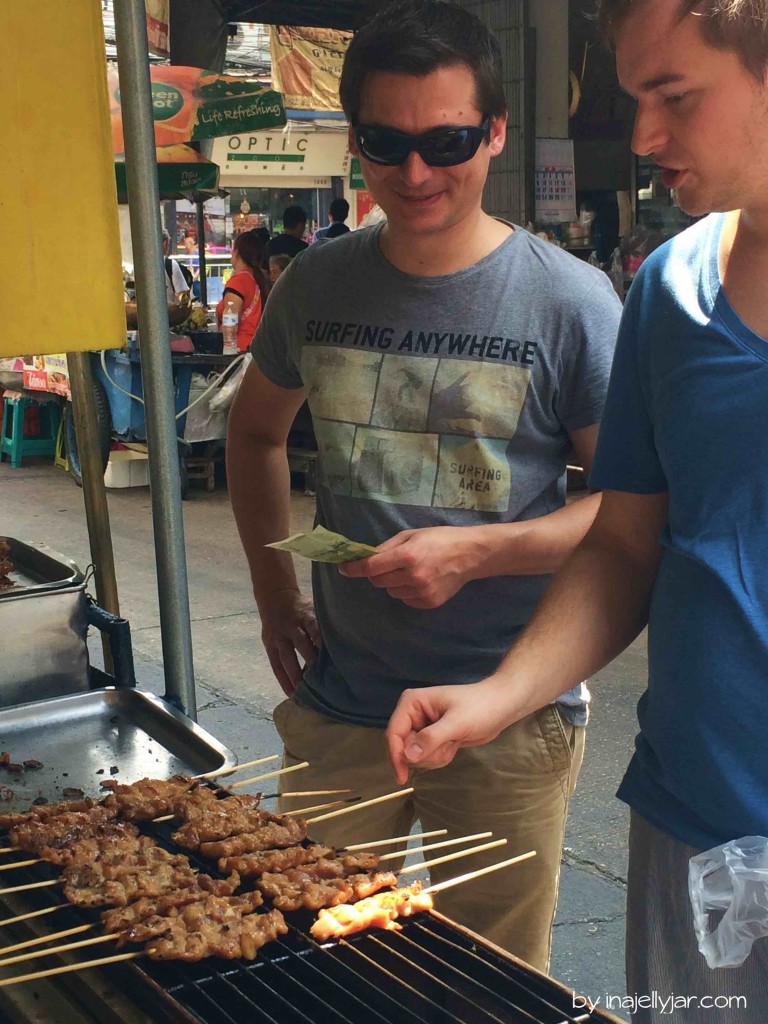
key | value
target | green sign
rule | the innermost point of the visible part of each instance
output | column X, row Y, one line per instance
column 356, row 179
column 230, row 107
column 174, row 179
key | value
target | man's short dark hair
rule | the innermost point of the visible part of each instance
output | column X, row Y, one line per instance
column 293, row 216
column 738, row 25
column 338, row 210
column 417, row 37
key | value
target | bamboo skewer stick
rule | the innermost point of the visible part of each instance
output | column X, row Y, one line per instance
column 68, row 968
column 46, row 938
column 318, row 807
column 453, row 856
column 19, row 864
column 476, row 874
column 435, row 846
column 395, row 839
column 270, row 775
column 32, row 885
column 31, row 914
column 308, row 792
column 66, row 948
column 359, row 806
column 237, row 768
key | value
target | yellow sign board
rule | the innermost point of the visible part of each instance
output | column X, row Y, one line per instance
column 306, row 65
column 61, row 283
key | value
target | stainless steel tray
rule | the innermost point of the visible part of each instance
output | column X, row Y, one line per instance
column 81, row 737
column 37, row 569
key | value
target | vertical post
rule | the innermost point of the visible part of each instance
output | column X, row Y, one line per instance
column 94, row 492
column 156, row 368
column 203, row 272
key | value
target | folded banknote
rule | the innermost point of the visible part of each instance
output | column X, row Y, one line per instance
column 324, row 546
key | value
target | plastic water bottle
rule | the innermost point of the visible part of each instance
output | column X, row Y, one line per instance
column 229, row 322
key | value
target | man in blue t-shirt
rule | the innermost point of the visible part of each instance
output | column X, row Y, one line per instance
column 681, row 540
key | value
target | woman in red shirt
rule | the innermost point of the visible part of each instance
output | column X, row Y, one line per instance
column 247, row 288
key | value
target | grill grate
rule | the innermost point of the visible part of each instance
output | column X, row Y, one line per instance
column 431, row 972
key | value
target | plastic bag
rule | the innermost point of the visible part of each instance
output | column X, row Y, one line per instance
column 732, row 881
column 224, row 396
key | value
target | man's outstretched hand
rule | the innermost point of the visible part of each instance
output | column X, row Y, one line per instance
column 430, row 724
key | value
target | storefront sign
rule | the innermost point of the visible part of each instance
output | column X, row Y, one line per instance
column 555, row 181
column 190, row 104
column 157, row 27
column 356, row 179
column 306, row 65
column 47, row 373
column 290, row 154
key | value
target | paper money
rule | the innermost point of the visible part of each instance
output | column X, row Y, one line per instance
column 324, row 546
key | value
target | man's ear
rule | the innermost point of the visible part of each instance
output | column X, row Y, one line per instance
column 352, row 142
column 498, row 131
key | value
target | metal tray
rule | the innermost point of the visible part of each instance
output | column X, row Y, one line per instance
column 81, row 737
column 37, row 569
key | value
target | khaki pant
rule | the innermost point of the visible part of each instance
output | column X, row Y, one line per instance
column 663, row 958
column 517, row 787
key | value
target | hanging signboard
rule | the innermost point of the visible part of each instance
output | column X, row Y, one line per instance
column 306, row 65
column 356, row 179
column 296, row 153
column 190, row 104
column 555, row 181
column 179, row 169
column 158, row 16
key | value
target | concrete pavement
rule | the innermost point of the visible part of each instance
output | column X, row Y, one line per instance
column 236, row 690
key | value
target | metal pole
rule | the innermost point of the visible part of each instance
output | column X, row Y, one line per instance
column 156, row 368
column 94, row 492
column 201, row 252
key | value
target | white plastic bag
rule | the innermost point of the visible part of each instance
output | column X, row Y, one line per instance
column 731, row 880
column 224, row 396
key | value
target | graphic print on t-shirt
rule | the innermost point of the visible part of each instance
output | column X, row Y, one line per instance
column 414, row 431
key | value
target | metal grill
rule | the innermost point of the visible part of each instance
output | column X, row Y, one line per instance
column 431, row 972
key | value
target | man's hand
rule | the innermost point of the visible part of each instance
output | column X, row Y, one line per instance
column 430, row 724
column 288, row 628
column 422, row 568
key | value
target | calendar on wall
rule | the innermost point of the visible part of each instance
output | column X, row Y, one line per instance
column 555, row 181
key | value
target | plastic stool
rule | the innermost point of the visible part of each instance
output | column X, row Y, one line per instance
column 60, row 455
column 14, row 441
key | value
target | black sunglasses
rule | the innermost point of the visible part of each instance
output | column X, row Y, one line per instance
column 439, row 147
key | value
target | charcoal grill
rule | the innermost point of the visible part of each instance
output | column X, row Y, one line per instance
column 432, row 972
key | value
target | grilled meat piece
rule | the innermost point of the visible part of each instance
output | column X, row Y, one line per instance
column 242, row 937
column 6, row 566
column 151, row 798
column 60, row 831
column 274, row 861
column 222, row 910
column 116, row 880
column 379, row 911
column 277, row 833
column 288, row 894
column 115, row 838
column 221, row 819
column 45, row 811
column 119, row 919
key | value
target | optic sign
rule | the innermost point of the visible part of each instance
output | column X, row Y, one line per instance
column 189, row 104
column 305, row 153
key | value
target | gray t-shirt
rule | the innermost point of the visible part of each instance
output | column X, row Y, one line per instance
column 435, row 401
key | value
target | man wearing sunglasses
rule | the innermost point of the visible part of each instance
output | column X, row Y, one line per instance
column 451, row 362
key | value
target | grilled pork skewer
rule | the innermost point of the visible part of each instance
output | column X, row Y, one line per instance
column 378, row 911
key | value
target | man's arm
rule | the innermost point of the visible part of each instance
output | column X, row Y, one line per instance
column 424, row 568
column 594, row 608
column 259, row 487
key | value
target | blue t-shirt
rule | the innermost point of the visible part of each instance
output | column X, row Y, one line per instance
column 687, row 412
